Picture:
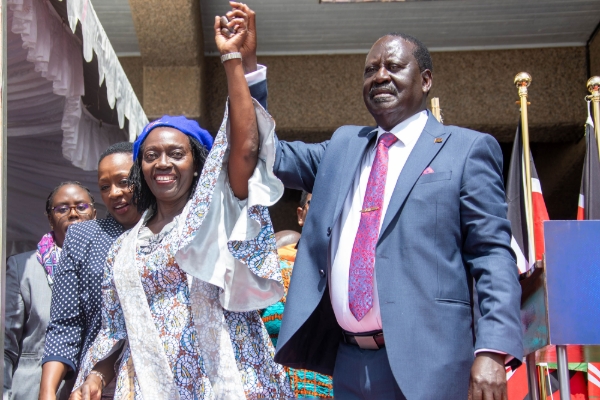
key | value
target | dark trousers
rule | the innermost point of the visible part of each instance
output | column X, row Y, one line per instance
column 364, row 374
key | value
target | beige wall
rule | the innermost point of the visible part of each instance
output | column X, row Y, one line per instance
column 476, row 90
column 172, row 52
column 134, row 69
column 310, row 96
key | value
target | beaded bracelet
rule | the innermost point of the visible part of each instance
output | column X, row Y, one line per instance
column 99, row 375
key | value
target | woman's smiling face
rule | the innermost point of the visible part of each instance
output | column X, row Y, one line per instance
column 113, row 173
column 168, row 164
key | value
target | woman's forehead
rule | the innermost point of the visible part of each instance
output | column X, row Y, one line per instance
column 166, row 135
column 70, row 192
column 115, row 161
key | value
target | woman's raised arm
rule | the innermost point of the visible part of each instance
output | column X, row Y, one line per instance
column 244, row 142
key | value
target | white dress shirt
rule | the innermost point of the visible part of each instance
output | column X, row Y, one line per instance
column 344, row 231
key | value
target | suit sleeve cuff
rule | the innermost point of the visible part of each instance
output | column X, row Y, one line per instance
column 257, row 76
column 507, row 359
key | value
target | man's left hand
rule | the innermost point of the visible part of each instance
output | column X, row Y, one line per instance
column 488, row 377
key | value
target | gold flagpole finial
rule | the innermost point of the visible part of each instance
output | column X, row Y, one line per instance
column 593, row 85
column 522, row 82
column 522, row 79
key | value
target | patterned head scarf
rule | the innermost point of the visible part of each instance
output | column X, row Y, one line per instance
column 48, row 254
column 181, row 123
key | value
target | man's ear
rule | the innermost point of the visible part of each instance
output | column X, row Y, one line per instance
column 299, row 212
column 426, row 80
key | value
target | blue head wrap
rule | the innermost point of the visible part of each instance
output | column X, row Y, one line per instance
column 181, row 123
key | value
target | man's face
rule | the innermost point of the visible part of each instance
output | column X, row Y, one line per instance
column 394, row 88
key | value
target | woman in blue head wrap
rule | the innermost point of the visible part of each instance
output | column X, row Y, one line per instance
column 182, row 287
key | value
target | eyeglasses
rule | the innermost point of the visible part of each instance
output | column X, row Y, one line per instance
column 81, row 208
column 306, row 204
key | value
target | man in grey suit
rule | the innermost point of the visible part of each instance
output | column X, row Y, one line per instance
column 381, row 295
column 28, row 297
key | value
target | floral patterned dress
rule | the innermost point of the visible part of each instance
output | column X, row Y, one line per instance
column 197, row 362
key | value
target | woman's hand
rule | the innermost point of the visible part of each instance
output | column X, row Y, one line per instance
column 90, row 390
column 248, row 49
column 237, row 26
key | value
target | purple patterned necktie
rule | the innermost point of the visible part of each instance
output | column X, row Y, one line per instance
column 362, row 260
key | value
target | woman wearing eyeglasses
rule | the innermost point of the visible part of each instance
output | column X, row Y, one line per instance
column 29, row 279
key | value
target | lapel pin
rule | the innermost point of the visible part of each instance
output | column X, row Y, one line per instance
column 437, row 140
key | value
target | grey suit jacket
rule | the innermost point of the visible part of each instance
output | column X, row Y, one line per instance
column 28, row 296
column 441, row 231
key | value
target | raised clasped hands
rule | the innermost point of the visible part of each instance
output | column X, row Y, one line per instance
column 236, row 32
column 230, row 36
column 488, row 377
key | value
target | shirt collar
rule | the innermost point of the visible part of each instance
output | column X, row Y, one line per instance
column 409, row 130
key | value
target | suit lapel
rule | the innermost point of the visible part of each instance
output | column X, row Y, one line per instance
column 356, row 149
column 421, row 156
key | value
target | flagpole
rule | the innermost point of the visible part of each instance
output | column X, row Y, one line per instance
column 593, row 85
column 3, row 108
column 522, row 82
column 435, row 109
